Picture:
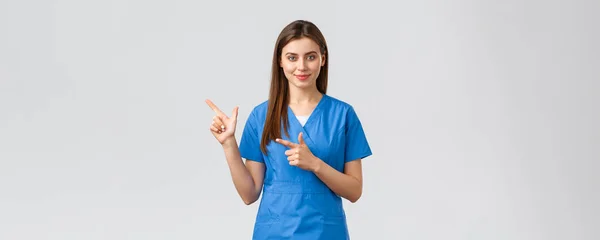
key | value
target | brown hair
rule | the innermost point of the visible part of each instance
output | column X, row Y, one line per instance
column 277, row 112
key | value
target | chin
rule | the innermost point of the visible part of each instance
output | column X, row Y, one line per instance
column 307, row 84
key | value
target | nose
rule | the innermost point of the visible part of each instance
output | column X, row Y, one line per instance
column 301, row 65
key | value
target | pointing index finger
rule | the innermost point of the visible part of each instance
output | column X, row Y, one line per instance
column 213, row 107
column 286, row 143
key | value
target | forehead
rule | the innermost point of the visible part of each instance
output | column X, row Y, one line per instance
column 301, row 46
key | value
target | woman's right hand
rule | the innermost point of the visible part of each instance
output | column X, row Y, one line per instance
column 222, row 126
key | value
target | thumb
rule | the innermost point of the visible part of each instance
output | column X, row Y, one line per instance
column 234, row 115
column 300, row 139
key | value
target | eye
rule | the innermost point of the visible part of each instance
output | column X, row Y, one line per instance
column 291, row 58
column 311, row 57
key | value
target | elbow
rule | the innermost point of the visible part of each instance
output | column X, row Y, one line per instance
column 249, row 201
column 250, row 197
column 354, row 199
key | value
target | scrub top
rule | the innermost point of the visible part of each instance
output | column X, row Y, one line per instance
column 295, row 203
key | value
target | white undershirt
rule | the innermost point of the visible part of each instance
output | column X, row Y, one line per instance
column 302, row 119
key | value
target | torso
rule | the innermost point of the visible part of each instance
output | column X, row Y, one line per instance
column 295, row 202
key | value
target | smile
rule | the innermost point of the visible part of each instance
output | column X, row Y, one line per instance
column 302, row 77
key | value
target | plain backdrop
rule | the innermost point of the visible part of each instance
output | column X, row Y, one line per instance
column 482, row 115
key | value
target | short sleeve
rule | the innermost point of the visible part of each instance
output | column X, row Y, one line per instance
column 250, row 141
column 357, row 146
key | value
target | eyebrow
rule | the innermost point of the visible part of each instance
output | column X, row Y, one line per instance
column 304, row 54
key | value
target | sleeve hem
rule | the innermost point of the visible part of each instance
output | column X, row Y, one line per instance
column 252, row 158
column 363, row 156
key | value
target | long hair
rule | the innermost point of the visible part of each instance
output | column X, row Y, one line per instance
column 277, row 112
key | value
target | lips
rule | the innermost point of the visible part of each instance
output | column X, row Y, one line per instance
column 302, row 77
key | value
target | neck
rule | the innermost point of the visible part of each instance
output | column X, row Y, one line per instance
column 304, row 95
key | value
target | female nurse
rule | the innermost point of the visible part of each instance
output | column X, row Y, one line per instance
column 302, row 147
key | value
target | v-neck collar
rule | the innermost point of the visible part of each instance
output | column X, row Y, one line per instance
column 311, row 116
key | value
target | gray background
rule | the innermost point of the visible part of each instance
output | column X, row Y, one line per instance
column 482, row 115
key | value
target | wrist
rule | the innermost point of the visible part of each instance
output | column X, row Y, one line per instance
column 318, row 165
column 229, row 142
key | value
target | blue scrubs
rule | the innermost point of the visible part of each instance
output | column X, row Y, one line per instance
column 295, row 203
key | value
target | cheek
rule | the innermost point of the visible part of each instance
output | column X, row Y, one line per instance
column 288, row 68
column 316, row 65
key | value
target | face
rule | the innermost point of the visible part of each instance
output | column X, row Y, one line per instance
column 301, row 62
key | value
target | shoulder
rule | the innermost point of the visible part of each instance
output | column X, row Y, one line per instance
column 259, row 112
column 339, row 106
column 342, row 112
column 261, row 107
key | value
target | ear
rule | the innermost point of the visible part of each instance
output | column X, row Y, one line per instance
column 323, row 59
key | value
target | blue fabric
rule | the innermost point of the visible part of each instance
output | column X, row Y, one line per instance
column 295, row 203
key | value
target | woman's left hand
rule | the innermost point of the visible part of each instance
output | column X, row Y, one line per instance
column 300, row 155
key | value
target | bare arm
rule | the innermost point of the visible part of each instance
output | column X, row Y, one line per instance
column 347, row 184
column 247, row 178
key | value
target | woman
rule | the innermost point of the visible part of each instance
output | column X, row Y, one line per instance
column 303, row 148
